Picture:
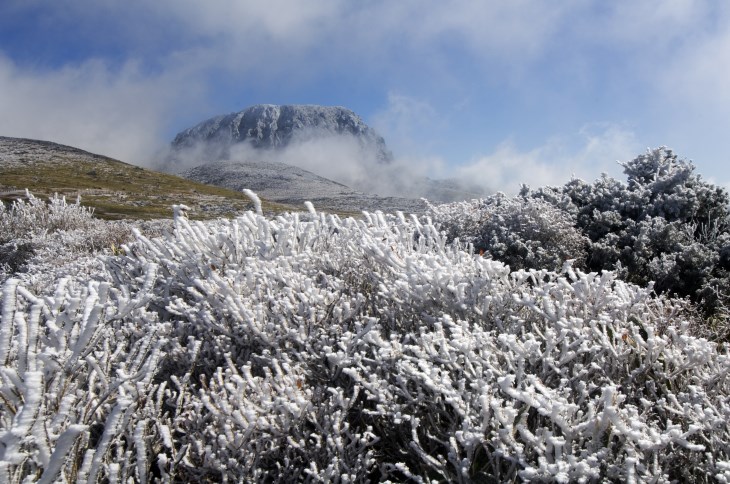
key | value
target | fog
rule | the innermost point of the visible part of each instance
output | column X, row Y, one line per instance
column 338, row 157
column 348, row 160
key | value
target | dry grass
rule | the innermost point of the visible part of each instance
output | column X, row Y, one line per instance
column 118, row 190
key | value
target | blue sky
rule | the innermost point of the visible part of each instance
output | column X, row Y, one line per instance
column 500, row 93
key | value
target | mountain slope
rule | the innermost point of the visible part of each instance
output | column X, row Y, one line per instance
column 288, row 184
column 115, row 189
column 268, row 126
column 333, row 142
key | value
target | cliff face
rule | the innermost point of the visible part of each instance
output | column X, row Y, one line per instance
column 267, row 126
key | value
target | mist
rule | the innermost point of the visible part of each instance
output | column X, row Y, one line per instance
column 587, row 153
column 341, row 158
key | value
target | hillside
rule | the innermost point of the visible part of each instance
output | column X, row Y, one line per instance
column 290, row 185
column 113, row 188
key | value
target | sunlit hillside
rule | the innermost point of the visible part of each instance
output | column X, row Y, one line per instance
column 114, row 189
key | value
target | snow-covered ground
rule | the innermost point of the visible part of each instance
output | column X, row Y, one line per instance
column 20, row 152
column 283, row 183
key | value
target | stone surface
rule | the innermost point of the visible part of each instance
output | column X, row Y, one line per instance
column 268, row 126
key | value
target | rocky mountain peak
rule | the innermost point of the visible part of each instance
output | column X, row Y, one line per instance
column 269, row 126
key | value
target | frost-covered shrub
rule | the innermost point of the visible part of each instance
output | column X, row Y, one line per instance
column 665, row 224
column 525, row 233
column 14, row 256
column 313, row 348
column 41, row 241
column 76, row 384
column 34, row 216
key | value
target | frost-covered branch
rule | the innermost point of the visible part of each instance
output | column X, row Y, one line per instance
column 309, row 347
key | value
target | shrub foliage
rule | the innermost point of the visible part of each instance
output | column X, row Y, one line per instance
column 41, row 241
column 312, row 348
column 663, row 225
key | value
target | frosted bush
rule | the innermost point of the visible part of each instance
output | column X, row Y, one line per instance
column 40, row 241
column 34, row 216
column 665, row 224
column 77, row 368
column 310, row 348
column 525, row 233
column 14, row 256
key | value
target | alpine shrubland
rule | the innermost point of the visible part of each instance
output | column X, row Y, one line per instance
column 41, row 241
column 313, row 348
column 525, row 233
column 663, row 225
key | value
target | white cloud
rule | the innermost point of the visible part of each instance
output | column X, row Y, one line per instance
column 405, row 122
column 116, row 112
column 677, row 50
column 593, row 150
column 688, row 105
column 282, row 20
column 512, row 30
column 586, row 154
column 654, row 24
column 699, row 69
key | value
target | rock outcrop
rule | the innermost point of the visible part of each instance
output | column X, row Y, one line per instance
column 268, row 126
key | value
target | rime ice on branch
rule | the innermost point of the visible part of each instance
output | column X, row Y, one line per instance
column 310, row 347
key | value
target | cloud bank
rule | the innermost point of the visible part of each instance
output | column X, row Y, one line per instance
column 118, row 112
column 494, row 92
column 586, row 154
